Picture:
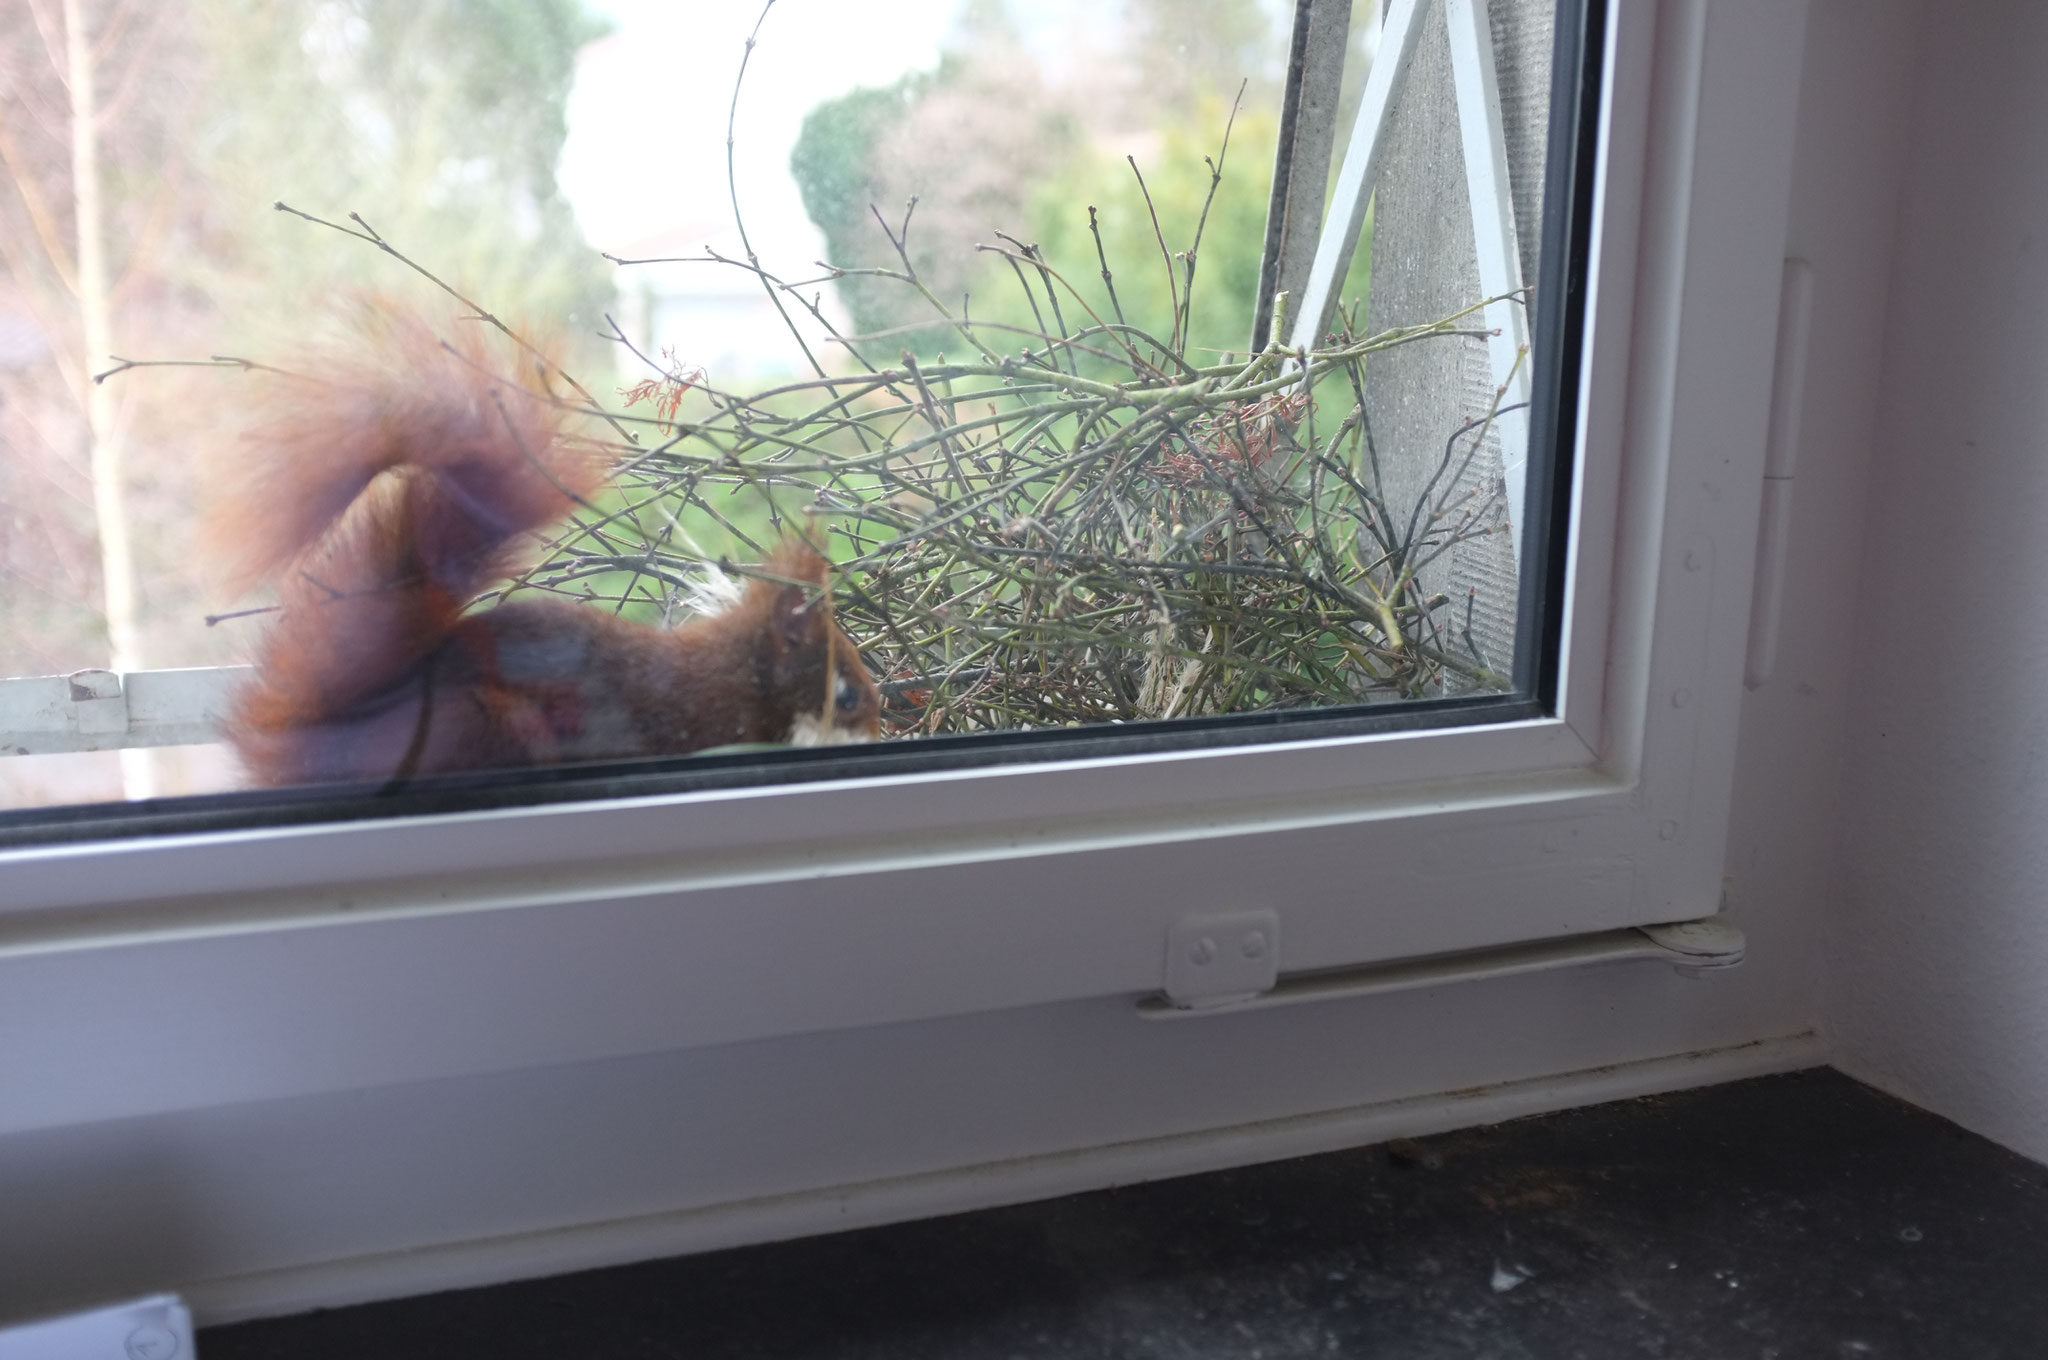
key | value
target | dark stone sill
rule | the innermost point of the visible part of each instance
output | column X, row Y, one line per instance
column 1792, row 1216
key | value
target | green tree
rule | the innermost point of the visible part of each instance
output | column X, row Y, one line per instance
column 968, row 142
column 836, row 165
column 1177, row 180
column 988, row 148
column 440, row 121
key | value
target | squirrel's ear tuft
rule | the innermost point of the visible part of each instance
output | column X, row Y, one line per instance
column 796, row 560
column 799, row 616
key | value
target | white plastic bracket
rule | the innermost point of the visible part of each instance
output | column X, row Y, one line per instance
column 155, row 1328
column 1221, row 960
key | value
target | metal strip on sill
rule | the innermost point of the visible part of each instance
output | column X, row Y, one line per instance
column 1693, row 948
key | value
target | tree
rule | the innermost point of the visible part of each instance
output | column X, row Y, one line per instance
column 969, row 142
column 836, row 166
column 142, row 144
column 988, row 145
column 80, row 249
column 441, row 121
column 1189, row 50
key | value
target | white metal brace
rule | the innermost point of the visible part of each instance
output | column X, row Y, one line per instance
column 1488, row 188
column 1399, row 30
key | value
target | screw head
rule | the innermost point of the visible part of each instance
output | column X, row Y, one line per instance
column 1203, row 951
column 150, row 1342
column 1254, row 944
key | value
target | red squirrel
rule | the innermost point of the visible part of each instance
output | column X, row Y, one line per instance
column 385, row 496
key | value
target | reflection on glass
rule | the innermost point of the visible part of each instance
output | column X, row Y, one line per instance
column 530, row 426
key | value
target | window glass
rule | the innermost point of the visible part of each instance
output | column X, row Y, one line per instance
column 399, row 395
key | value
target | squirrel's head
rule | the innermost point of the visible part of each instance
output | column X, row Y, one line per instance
column 808, row 663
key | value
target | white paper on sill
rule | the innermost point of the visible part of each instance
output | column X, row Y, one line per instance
column 155, row 1328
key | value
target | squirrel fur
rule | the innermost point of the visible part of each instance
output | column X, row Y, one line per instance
column 391, row 490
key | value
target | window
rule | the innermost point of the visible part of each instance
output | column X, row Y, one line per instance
column 1157, row 462
column 576, row 929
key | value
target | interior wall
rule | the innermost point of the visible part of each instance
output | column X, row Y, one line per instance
column 1940, row 935
column 173, row 1201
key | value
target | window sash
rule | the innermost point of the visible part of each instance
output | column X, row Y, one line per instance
column 401, row 950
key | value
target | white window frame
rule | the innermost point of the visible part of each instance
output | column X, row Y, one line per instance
column 177, row 972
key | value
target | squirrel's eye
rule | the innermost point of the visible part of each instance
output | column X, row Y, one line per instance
column 845, row 695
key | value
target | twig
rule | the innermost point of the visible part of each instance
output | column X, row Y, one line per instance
column 369, row 234
column 732, row 186
column 213, row 361
column 1165, row 255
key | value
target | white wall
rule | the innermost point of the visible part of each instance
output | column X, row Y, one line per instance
column 215, row 1194
column 1940, row 992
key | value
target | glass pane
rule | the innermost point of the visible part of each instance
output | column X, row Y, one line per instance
column 394, row 391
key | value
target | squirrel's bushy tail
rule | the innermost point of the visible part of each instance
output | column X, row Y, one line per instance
column 385, row 491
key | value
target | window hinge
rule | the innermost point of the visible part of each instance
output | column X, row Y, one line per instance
column 1781, row 452
column 1230, row 962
